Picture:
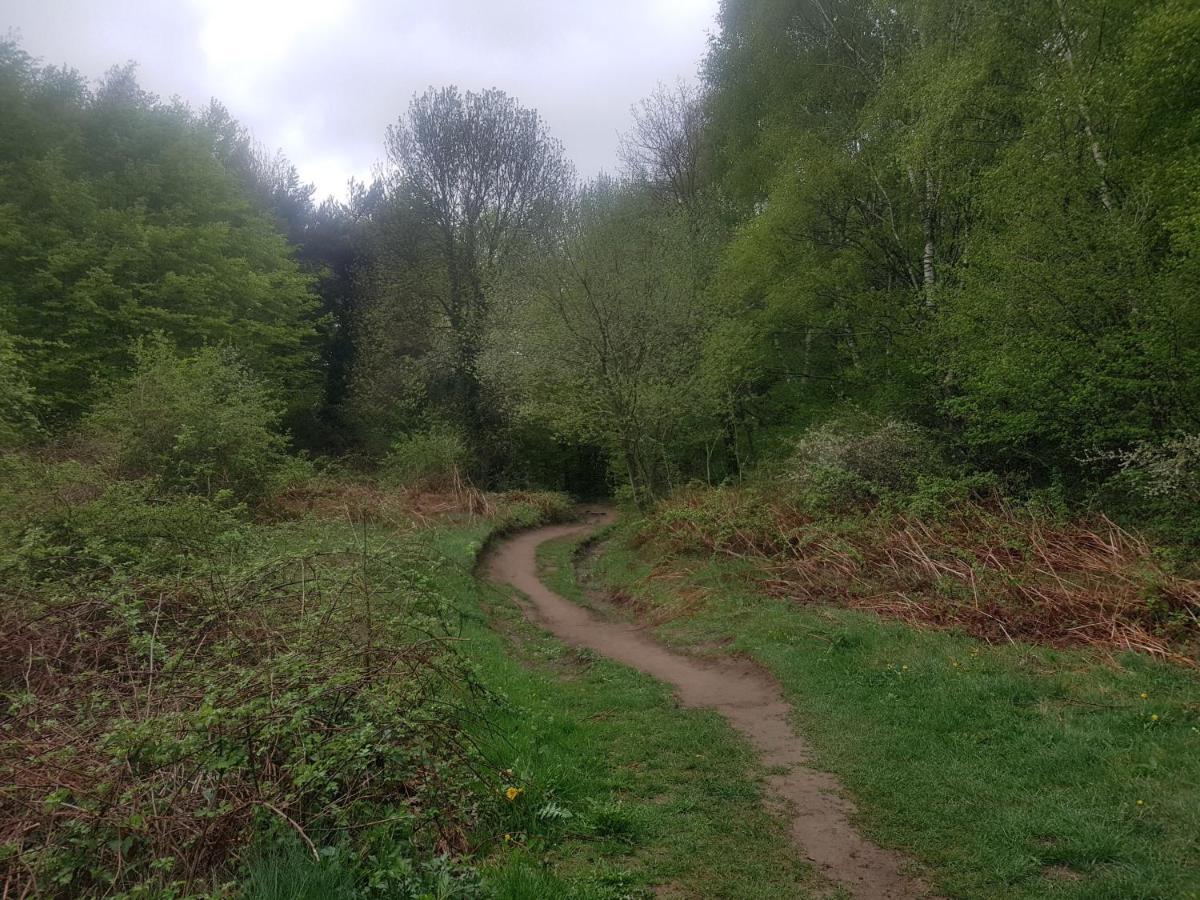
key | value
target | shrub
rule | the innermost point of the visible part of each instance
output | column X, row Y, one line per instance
column 429, row 460
column 18, row 405
column 198, row 424
column 849, row 462
column 157, row 726
column 125, row 527
column 1161, row 482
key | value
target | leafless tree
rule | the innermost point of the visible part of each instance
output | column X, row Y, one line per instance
column 665, row 147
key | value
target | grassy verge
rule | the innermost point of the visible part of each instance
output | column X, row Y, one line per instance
column 1012, row 771
column 616, row 793
column 622, row 791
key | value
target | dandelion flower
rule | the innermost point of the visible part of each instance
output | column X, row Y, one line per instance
column 1145, row 696
column 513, row 793
column 1154, row 718
column 1141, row 803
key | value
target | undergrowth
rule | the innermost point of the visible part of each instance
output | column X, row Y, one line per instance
column 996, row 570
column 181, row 685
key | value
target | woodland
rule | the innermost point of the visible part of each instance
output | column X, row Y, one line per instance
column 895, row 304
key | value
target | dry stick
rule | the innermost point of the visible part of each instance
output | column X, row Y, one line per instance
column 153, row 639
column 300, row 831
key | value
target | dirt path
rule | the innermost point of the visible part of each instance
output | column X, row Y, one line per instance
column 749, row 700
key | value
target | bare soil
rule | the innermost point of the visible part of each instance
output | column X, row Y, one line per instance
column 748, row 698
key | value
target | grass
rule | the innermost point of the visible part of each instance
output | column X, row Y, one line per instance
column 620, row 794
column 651, row 792
column 1011, row 771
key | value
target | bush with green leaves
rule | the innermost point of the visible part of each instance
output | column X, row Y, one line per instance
column 202, row 423
column 853, row 461
column 18, row 405
column 430, row 460
column 159, row 719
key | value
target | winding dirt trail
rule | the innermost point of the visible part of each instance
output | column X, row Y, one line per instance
column 748, row 699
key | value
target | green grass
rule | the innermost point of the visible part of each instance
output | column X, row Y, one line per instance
column 655, row 795
column 1010, row 771
column 622, row 794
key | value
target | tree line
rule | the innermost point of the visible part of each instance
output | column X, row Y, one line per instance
column 977, row 217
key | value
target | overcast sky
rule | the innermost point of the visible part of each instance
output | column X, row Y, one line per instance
column 321, row 79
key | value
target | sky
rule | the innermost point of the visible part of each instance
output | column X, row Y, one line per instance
column 322, row 79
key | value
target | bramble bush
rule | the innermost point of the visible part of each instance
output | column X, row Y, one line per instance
column 164, row 710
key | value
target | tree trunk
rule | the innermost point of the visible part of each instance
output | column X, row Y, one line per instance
column 927, row 227
column 1084, row 113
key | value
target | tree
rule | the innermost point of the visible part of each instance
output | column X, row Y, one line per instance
column 18, row 404
column 666, row 146
column 118, row 221
column 487, row 181
column 604, row 347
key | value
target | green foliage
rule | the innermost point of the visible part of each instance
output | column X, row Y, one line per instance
column 211, row 682
column 203, row 423
column 289, row 872
column 953, row 214
column 124, row 527
column 18, row 404
column 430, row 460
column 602, row 347
column 119, row 220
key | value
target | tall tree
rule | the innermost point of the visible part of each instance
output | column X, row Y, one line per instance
column 118, row 221
column 604, row 347
column 666, row 147
column 488, row 181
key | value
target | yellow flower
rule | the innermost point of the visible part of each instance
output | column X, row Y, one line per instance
column 1154, row 718
column 1141, row 803
column 513, row 793
column 508, row 837
column 1145, row 696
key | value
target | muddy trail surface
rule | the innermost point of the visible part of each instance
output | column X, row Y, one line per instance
column 750, row 700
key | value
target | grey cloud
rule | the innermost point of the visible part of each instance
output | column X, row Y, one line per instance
column 325, row 92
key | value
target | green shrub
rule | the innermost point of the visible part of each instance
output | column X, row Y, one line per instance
column 127, row 528
column 849, row 462
column 258, row 694
column 18, row 405
column 525, row 509
column 428, row 460
column 934, row 495
column 200, row 424
column 1158, row 484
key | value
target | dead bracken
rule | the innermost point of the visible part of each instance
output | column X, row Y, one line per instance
column 997, row 573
